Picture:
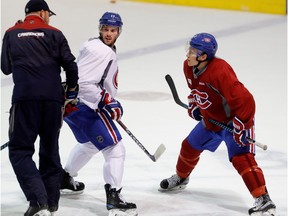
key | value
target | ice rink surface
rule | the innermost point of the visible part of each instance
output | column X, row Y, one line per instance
column 152, row 45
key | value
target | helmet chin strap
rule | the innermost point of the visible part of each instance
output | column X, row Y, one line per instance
column 199, row 62
column 196, row 69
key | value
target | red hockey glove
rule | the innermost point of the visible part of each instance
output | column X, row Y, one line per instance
column 240, row 133
column 70, row 99
column 71, row 93
column 69, row 108
column 193, row 109
column 110, row 106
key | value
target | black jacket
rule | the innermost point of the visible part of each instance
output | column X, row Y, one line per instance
column 34, row 53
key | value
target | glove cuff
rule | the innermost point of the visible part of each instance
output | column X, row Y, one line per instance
column 238, row 124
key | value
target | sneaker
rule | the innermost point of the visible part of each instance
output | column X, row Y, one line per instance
column 173, row 183
column 69, row 186
column 263, row 205
column 115, row 201
column 37, row 211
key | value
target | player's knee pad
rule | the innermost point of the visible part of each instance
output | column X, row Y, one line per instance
column 115, row 151
column 187, row 160
column 79, row 157
column 251, row 173
column 87, row 148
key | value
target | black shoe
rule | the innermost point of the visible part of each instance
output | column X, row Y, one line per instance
column 41, row 210
column 173, row 183
column 69, row 186
column 115, row 201
column 53, row 209
column 263, row 204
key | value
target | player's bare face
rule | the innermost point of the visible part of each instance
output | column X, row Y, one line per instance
column 109, row 34
column 192, row 56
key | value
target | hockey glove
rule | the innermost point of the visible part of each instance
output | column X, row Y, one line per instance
column 240, row 133
column 193, row 109
column 70, row 99
column 110, row 106
column 69, row 108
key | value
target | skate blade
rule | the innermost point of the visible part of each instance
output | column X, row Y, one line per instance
column 122, row 212
column 67, row 192
column 179, row 187
column 270, row 212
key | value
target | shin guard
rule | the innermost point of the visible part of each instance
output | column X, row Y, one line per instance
column 187, row 160
column 251, row 174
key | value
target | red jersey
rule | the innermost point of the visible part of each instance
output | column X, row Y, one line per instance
column 219, row 94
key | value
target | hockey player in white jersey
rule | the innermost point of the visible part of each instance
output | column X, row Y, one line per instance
column 91, row 119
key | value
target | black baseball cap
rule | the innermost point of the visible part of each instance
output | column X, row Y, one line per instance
column 37, row 5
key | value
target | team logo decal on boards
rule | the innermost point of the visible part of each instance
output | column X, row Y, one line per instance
column 115, row 79
column 201, row 99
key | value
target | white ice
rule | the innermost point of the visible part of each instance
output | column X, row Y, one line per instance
column 152, row 45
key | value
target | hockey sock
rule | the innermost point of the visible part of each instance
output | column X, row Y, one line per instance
column 79, row 156
column 187, row 160
column 252, row 175
column 113, row 168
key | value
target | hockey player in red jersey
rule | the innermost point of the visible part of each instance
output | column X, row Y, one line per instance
column 216, row 93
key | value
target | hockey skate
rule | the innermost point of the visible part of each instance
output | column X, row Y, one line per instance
column 69, row 186
column 37, row 211
column 115, row 204
column 173, row 183
column 263, row 207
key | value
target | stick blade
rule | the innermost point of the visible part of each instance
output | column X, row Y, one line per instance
column 160, row 150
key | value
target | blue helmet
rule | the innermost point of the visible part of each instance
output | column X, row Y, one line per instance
column 111, row 19
column 206, row 43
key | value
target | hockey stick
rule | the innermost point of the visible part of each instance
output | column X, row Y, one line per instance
column 160, row 150
column 4, row 145
column 171, row 84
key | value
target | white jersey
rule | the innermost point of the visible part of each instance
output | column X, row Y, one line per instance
column 97, row 70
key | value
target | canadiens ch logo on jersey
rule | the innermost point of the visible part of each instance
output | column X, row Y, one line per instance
column 201, row 99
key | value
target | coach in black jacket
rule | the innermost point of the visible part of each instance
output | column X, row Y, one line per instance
column 34, row 53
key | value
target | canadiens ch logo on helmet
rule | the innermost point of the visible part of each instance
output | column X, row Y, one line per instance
column 201, row 99
column 207, row 40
